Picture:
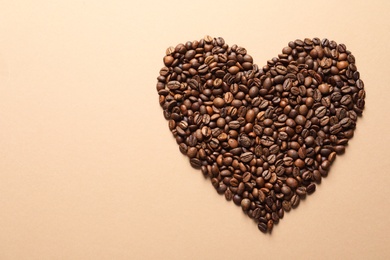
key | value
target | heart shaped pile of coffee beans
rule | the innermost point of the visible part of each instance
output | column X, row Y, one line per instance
column 264, row 136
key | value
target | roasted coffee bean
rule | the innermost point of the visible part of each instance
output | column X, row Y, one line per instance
column 262, row 227
column 301, row 191
column 294, row 201
column 335, row 129
column 228, row 194
column 320, row 112
column 234, row 125
column 245, row 204
column 311, row 188
column 286, row 205
column 286, row 190
column 265, row 135
column 292, row 183
column 256, row 213
column 246, row 157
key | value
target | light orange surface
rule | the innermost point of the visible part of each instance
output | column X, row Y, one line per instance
column 89, row 169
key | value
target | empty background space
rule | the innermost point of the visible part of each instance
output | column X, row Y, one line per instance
column 90, row 170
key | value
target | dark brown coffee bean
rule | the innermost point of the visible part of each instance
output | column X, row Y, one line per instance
column 286, row 205
column 246, row 157
column 267, row 141
column 262, row 227
column 300, row 120
column 237, row 200
column 256, row 213
column 292, row 183
column 241, row 188
column 228, row 194
column 294, row 201
column 221, row 188
column 332, row 157
column 234, row 124
column 320, row 112
column 191, row 152
column 219, row 102
column 246, row 177
column 311, row 188
column 324, row 88
column 183, row 148
column 286, row 190
column 301, row 191
column 244, row 141
column 196, row 163
column 245, row 204
column 234, row 70
column 335, row 129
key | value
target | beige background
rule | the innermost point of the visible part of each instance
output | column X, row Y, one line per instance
column 89, row 169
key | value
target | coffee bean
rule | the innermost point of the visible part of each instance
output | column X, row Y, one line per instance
column 301, row 191
column 294, row 201
column 208, row 39
column 332, row 157
column 286, row 190
column 267, row 141
column 191, row 152
column 196, row 163
column 228, row 194
column 324, row 88
column 286, row 205
column 221, row 188
column 244, row 141
column 300, row 120
column 234, row 124
column 241, row 188
column 246, row 157
column 245, row 204
column 219, row 102
column 256, row 213
column 264, row 135
column 233, row 70
column 183, row 148
column 262, row 227
column 335, row 129
column 310, row 188
column 320, row 112
column 325, row 165
column 292, row 183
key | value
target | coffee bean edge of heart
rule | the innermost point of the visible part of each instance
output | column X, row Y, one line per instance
column 264, row 136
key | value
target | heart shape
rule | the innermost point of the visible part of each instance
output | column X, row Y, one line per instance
column 264, row 136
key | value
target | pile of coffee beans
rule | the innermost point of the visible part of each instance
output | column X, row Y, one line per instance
column 264, row 136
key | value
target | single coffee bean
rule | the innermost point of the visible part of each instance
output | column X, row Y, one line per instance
column 286, row 205
column 246, row 157
column 191, row 152
column 218, row 102
column 196, row 163
column 183, row 148
column 301, row 191
column 320, row 112
column 324, row 88
column 286, row 190
column 228, row 194
column 262, row 227
column 256, row 213
column 292, row 183
column 294, row 201
column 311, row 188
column 245, row 204
column 300, row 120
